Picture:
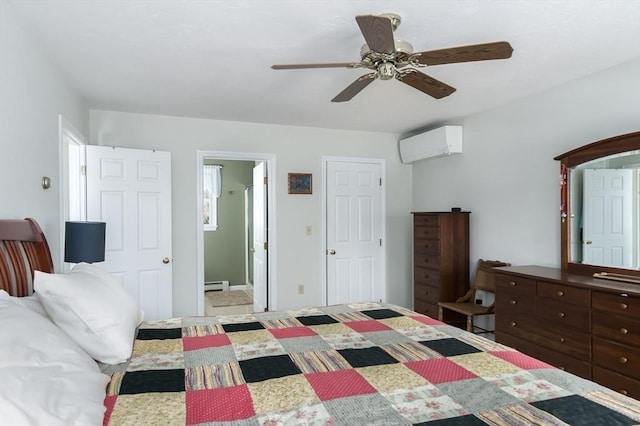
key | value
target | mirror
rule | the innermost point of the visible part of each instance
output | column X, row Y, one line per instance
column 603, row 222
column 600, row 207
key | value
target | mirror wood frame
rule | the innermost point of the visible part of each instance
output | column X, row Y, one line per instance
column 589, row 152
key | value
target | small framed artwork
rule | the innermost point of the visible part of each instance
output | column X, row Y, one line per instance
column 299, row 183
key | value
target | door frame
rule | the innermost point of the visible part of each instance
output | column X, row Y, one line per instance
column 67, row 135
column 323, row 225
column 270, row 161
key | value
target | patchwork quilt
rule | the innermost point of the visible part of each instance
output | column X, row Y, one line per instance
column 358, row 364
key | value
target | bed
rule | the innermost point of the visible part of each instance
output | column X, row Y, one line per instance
column 355, row 364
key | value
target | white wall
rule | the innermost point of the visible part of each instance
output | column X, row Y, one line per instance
column 297, row 149
column 32, row 95
column 506, row 175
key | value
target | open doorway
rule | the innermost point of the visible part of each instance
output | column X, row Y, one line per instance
column 236, row 244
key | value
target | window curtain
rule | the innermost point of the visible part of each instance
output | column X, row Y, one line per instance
column 212, row 188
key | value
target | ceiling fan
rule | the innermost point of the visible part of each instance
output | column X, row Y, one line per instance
column 389, row 58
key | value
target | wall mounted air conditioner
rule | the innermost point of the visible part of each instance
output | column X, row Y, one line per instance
column 445, row 140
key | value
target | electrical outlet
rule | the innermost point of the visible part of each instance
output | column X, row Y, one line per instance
column 478, row 301
column 301, row 289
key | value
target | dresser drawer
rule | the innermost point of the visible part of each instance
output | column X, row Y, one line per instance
column 426, row 233
column 617, row 357
column 426, row 220
column 425, row 308
column 564, row 340
column 617, row 303
column 563, row 362
column 564, row 314
column 617, row 382
column 426, row 276
column 622, row 329
column 426, row 246
column 565, row 294
column 515, row 302
column 426, row 293
column 515, row 284
column 421, row 260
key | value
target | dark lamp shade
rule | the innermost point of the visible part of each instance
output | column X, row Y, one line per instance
column 84, row 242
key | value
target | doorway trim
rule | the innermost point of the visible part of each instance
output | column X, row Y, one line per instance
column 383, row 218
column 69, row 136
column 270, row 161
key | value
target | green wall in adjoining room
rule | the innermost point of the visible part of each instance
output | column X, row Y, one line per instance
column 224, row 248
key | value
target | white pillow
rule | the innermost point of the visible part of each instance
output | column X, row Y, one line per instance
column 49, row 396
column 93, row 308
column 31, row 340
column 30, row 302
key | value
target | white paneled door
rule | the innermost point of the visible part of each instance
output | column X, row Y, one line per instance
column 259, row 243
column 608, row 223
column 130, row 190
column 354, row 232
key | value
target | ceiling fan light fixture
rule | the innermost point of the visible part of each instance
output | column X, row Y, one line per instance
column 386, row 71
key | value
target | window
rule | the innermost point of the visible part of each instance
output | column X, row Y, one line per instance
column 210, row 193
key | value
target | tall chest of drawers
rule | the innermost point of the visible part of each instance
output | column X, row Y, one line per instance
column 440, row 260
column 589, row 327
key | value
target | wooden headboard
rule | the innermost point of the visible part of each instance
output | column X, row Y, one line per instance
column 23, row 249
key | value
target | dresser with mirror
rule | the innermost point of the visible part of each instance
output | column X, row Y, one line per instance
column 584, row 317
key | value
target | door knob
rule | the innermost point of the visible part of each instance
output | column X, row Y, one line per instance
column 588, row 242
column 332, row 252
column 166, row 260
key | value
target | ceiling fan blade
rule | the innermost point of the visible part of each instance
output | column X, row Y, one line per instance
column 326, row 65
column 377, row 32
column 425, row 83
column 355, row 88
column 470, row 53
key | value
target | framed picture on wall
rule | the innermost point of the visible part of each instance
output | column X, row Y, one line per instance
column 299, row 183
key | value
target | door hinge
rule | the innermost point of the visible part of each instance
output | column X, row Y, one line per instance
column 265, row 180
column 83, row 170
column 380, row 181
column 266, row 245
column 380, row 242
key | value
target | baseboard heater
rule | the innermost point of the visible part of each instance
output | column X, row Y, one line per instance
column 216, row 285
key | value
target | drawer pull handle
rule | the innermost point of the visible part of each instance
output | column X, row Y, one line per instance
column 513, row 302
column 512, row 283
column 623, row 360
column 513, row 324
column 623, row 306
column 561, row 314
column 560, row 293
column 624, row 331
column 562, row 340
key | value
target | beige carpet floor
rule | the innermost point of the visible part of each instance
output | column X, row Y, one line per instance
column 229, row 298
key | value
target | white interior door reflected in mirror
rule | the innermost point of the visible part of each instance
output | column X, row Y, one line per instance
column 609, row 211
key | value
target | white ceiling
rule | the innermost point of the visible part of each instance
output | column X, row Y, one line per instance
column 211, row 59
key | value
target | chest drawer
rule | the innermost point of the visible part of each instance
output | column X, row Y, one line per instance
column 617, row 357
column 426, row 233
column 515, row 284
column 565, row 294
column 563, row 314
column 426, row 276
column 420, row 220
column 421, row 260
column 617, row 303
column 514, row 302
column 426, row 293
column 425, row 308
column 426, row 246
column 616, row 327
